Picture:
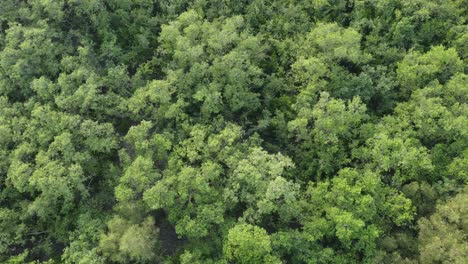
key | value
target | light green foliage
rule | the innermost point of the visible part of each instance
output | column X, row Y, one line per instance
column 199, row 204
column 98, row 137
column 443, row 234
column 248, row 244
column 137, row 176
column 83, row 91
column 213, row 67
column 327, row 133
column 82, row 246
column 153, row 100
column 426, row 22
column 331, row 58
column 256, row 181
column 202, row 190
column 18, row 259
column 226, row 131
column 11, row 229
column 142, row 143
column 29, row 52
column 399, row 159
column 347, row 207
column 126, row 242
column 51, row 165
column 416, row 141
column 417, row 70
column 335, row 43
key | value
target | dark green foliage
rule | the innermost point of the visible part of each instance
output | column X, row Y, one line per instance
column 223, row 131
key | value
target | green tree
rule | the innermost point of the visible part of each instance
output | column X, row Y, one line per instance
column 248, row 244
column 417, row 70
column 354, row 209
column 331, row 123
column 130, row 242
column 442, row 236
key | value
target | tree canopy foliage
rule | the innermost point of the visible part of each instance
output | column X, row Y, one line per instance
column 227, row 131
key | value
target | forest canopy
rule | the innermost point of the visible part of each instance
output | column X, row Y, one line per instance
column 233, row 131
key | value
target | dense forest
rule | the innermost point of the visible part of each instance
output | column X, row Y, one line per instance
column 233, row 131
